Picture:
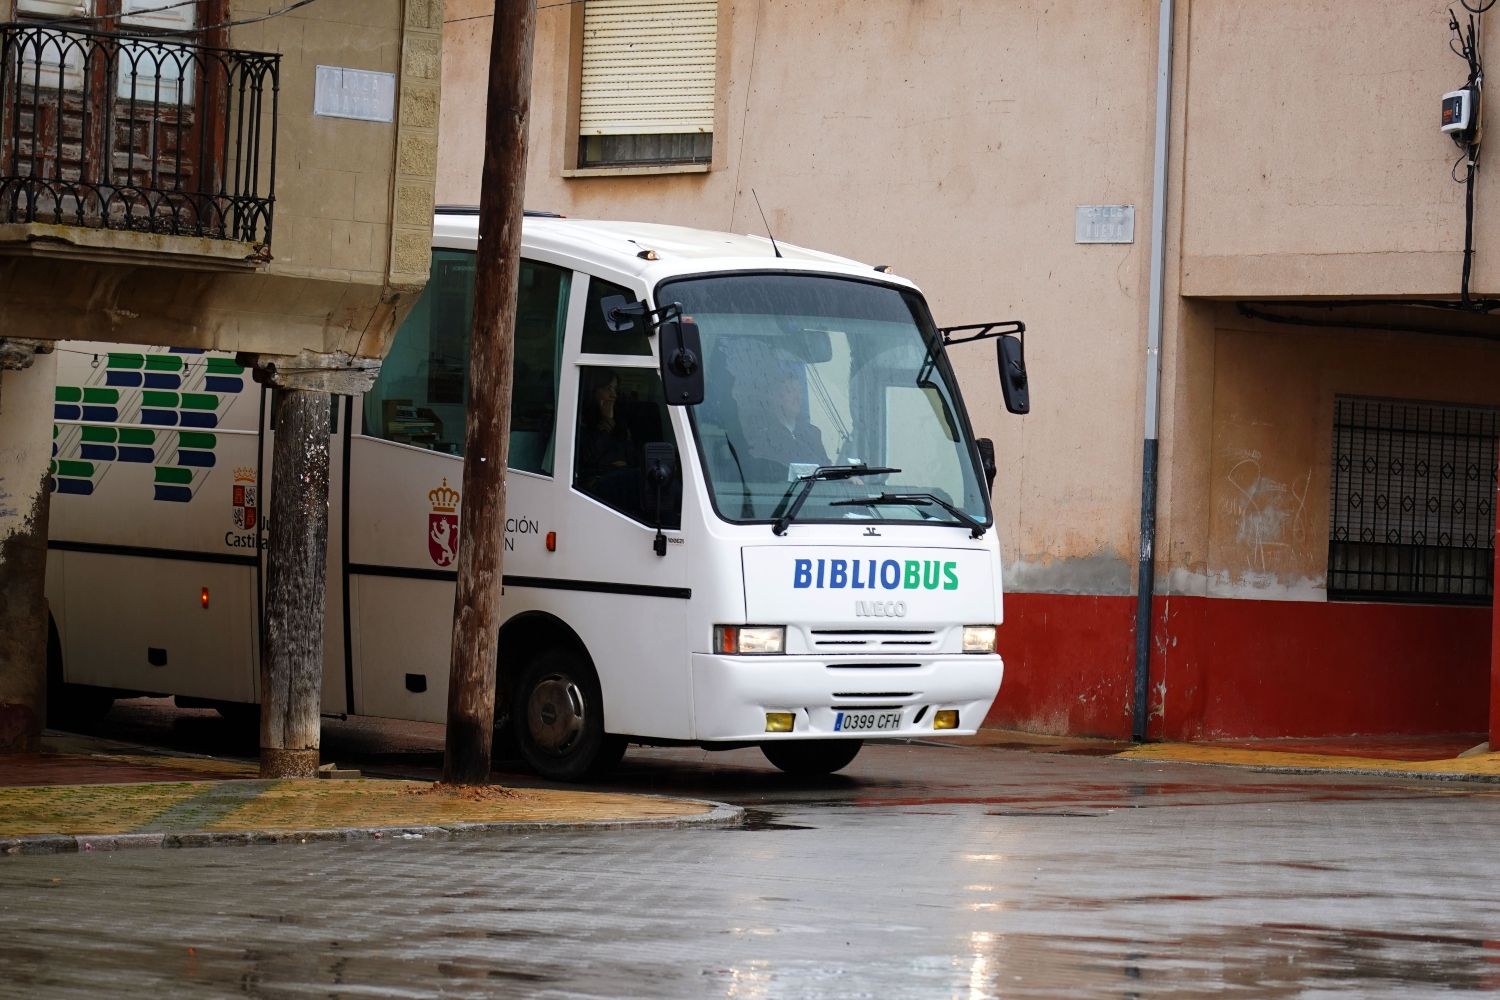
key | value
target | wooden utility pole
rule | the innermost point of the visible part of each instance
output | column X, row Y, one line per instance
column 481, row 529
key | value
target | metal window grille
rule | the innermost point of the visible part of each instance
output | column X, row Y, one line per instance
column 1412, row 505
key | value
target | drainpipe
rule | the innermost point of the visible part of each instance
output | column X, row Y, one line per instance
column 1146, row 570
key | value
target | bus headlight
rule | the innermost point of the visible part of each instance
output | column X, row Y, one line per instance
column 738, row 640
column 979, row 638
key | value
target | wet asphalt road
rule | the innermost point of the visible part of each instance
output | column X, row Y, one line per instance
column 925, row 871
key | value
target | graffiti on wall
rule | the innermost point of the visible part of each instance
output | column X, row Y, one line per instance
column 1269, row 516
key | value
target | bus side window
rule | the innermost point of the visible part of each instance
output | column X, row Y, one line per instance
column 541, row 317
column 419, row 397
column 620, row 411
column 600, row 339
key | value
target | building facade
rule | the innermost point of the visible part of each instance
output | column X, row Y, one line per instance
column 1323, row 550
column 233, row 175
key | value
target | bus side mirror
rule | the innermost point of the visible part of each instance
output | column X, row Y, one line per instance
column 1012, row 359
column 621, row 315
column 681, row 362
column 987, row 461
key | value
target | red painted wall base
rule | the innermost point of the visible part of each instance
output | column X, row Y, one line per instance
column 1236, row 668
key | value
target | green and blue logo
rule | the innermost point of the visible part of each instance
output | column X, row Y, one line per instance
column 158, row 408
column 874, row 574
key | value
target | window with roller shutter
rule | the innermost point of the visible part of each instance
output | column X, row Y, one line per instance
column 647, row 83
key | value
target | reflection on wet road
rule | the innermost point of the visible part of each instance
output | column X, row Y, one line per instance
column 925, row 872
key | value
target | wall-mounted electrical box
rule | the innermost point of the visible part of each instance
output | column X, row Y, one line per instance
column 1458, row 110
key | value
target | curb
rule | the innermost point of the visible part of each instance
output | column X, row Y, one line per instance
column 1358, row 772
column 1398, row 769
column 719, row 815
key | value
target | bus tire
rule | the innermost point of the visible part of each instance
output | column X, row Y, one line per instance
column 811, row 758
column 71, row 706
column 558, row 718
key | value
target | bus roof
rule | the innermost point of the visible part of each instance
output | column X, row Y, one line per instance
column 673, row 250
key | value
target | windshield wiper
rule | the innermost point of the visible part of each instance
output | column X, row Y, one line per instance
column 976, row 527
column 804, row 485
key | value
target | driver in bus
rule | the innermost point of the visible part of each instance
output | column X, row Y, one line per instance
column 779, row 432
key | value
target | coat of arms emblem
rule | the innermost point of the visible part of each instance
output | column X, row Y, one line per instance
column 246, row 499
column 442, row 525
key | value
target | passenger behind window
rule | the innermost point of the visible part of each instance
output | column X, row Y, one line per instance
column 613, row 429
column 604, row 444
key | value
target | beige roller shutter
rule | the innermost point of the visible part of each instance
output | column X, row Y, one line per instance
column 648, row 66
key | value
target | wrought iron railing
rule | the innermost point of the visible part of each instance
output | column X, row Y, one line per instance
column 117, row 131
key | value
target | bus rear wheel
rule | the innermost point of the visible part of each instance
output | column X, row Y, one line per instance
column 811, row 758
column 558, row 718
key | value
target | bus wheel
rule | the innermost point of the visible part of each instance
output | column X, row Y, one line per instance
column 558, row 718
column 810, row 758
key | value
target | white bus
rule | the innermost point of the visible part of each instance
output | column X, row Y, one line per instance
column 802, row 560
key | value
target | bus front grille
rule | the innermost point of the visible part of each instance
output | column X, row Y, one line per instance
column 874, row 640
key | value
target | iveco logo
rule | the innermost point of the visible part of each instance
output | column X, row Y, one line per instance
column 880, row 609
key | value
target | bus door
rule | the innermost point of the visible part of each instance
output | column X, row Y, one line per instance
column 621, row 550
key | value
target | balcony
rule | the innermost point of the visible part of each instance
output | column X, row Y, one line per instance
column 136, row 134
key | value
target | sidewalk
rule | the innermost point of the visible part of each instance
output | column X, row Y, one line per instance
column 86, row 794
column 1454, row 758
column 83, row 793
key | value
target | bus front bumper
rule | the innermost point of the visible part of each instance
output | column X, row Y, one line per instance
column 840, row 698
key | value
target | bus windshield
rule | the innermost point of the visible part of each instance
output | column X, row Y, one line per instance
column 809, row 371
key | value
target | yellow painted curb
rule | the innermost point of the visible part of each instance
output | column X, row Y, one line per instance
column 1187, row 753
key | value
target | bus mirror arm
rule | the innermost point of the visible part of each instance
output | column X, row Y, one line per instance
column 1010, row 356
column 623, row 316
column 661, row 464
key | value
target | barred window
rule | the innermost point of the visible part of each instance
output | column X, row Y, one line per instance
column 1412, row 501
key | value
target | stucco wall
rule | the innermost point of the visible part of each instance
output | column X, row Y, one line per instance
column 1273, row 438
column 352, row 232
column 953, row 141
column 1314, row 163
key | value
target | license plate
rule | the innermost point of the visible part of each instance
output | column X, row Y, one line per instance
column 865, row 722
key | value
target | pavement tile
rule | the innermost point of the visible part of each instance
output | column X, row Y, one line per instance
column 301, row 805
column 92, row 809
column 94, row 768
column 86, row 794
column 181, row 814
column 83, row 793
